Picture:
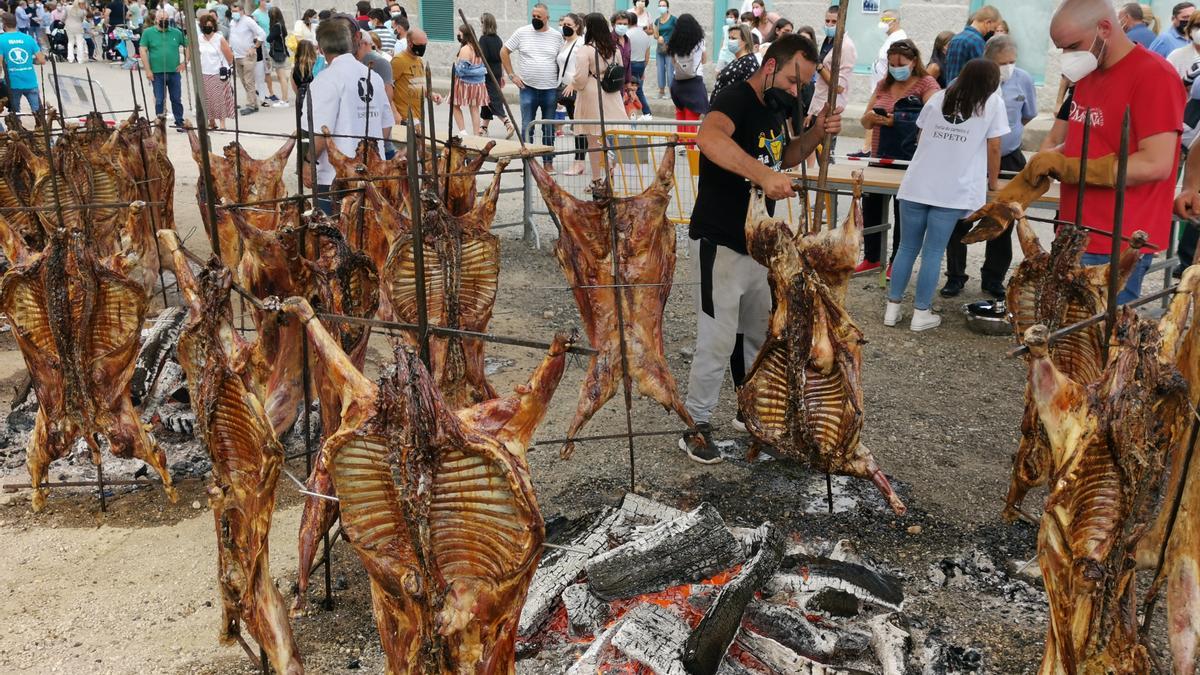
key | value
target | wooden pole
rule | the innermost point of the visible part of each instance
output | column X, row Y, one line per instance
column 835, row 66
column 1114, row 257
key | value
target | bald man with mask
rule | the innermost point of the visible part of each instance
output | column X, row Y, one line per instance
column 1111, row 73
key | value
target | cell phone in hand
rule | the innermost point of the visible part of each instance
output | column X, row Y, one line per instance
column 880, row 111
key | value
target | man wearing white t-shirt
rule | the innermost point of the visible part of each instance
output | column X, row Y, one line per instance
column 538, row 79
column 344, row 94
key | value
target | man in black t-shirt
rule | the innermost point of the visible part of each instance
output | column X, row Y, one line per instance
column 745, row 139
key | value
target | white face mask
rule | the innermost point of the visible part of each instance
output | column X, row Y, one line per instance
column 1006, row 71
column 1196, row 36
column 1078, row 65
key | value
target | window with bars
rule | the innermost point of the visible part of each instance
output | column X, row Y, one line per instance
column 438, row 19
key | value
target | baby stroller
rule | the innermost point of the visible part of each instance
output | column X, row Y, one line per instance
column 111, row 53
column 56, row 35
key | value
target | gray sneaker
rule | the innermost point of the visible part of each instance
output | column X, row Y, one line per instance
column 699, row 445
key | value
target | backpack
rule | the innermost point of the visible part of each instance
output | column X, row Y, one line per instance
column 613, row 78
column 899, row 141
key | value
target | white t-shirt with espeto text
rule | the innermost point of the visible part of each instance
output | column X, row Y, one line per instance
column 538, row 54
column 350, row 99
column 949, row 168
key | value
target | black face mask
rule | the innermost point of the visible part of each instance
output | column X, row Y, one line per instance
column 162, row 25
column 778, row 101
column 988, row 35
column 208, row 30
column 1179, row 28
column 419, row 50
column 538, row 24
column 568, row 31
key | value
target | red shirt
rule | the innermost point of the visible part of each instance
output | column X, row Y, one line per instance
column 1149, row 86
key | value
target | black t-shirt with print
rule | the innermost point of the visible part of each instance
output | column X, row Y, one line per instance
column 722, row 197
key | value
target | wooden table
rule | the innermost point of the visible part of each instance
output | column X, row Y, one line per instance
column 886, row 181
column 504, row 148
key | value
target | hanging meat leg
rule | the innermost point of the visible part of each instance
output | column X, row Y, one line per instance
column 438, row 506
column 645, row 261
column 1053, row 289
column 803, row 395
column 246, row 458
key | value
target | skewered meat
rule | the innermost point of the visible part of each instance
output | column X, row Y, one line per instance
column 1108, row 440
column 154, row 180
column 462, row 270
column 239, row 178
column 346, row 284
column 458, row 166
column 1174, row 541
column 803, row 395
column 33, row 139
column 246, row 459
column 58, row 197
column 368, row 163
column 645, row 257
column 438, row 506
column 76, row 320
column 1053, row 289
column 16, row 185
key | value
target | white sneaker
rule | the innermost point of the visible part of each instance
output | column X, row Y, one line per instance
column 924, row 319
column 891, row 315
column 647, row 116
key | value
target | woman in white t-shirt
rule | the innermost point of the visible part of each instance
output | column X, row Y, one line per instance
column 957, row 161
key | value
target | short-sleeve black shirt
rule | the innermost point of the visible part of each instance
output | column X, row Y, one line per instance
column 722, row 197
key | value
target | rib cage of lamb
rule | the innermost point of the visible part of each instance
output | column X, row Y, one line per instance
column 438, row 505
column 803, row 395
column 1053, row 289
column 645, row 263
column 225, row 376
column 1108, row 443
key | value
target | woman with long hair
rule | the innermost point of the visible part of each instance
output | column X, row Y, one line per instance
column 907, row 82
column 73, row 19
column 957, row 161
column 745, row 63
column 688, row 56
column 490, row 44
column 760, row 23
column 937, row 59
column 571, row 26
column 277, row 56
column 470, row 88
column 782, row 27
column 592, row 61
column 664, row 27
column 215, row 58
column 303, row 68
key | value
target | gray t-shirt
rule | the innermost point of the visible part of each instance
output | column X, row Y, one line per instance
column 379, row 64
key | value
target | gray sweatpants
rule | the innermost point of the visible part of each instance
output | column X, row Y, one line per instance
column 733, row 299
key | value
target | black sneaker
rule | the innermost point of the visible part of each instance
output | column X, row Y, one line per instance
column 248, row 110
column 699, row 445
column 952, row 288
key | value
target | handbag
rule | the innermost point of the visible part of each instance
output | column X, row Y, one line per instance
column 566, row 100
column 899, row 141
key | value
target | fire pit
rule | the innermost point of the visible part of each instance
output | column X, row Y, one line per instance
column 646, row 588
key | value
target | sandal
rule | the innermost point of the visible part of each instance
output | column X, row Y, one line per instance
column 509, row 128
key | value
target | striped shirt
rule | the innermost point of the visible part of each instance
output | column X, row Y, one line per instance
column 387, row 39
column 539, row 56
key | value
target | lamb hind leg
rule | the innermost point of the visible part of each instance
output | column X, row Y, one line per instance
column 864, row 464
column 598, row 387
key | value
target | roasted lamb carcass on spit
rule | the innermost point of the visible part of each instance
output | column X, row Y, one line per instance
column 1054, row 290
column 16, row 186
column 438, row 506
column 1108, row 441
column 803, row 395
column 457, row 170
column 77, row 319
column 154, row 181
column 367, row 163
column 224, row 373
column 1173, row 544
column 645, row 257
column 239, row 178
column 462, row 271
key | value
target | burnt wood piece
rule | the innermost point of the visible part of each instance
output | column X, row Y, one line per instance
column 641, row 507
column 791, row 628
column 156, row 349
column 777, row 658
column 891, row 643
column 707, row 644
column 809, row 574
column 653, row 636
column 684, row 550
column 560, row 568
column 585, row 612
column 589, row 662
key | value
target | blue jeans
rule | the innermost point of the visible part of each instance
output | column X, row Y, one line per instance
column 325, row 204
column 666, row 72
column 168, row 83
column 533, row 100
column 638, row 68
column 31, row 95
column 1133, row 287
column 926, row 230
